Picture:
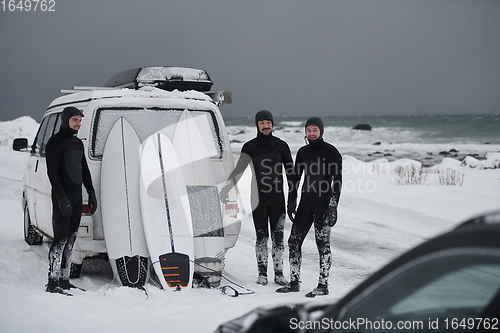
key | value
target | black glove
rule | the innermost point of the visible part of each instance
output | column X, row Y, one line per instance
column 330, row 216
column 92, row 203
column 291, row 208
column 65, row 207
column 224, row 193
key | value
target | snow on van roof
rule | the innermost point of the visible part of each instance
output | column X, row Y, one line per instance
column 144, row 92
column 172, row 73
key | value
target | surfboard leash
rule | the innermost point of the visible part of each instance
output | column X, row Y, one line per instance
column 222, row 289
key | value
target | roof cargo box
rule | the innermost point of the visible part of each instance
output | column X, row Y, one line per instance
column 166, row 78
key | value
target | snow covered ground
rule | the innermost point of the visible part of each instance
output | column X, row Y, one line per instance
column 378, row 220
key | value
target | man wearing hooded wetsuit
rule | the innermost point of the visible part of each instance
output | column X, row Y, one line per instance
column 267, row 156
column 67, row 170
column 321, row 164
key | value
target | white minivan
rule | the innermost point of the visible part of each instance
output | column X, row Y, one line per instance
column 149, row 98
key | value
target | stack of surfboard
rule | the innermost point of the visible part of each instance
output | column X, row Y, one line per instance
column 160, row 206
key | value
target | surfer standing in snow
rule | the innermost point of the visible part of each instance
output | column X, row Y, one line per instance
column 321, row 164
column 67, row 170
column 267, row 155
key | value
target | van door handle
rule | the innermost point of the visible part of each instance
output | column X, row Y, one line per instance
column 36, row 165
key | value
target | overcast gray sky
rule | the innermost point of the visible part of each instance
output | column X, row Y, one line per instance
column 330, row 57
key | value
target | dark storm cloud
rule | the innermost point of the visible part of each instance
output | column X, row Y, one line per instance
column 291, row 57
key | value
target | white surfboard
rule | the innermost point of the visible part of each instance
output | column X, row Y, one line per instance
column 121, row 211
column 166, row 213
column 206, row 209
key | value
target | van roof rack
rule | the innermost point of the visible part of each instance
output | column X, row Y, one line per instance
column 83, row 88
column 166, row 78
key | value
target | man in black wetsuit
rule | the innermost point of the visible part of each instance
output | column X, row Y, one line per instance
column 67, row 170
column 267, row 155
column 321, row 164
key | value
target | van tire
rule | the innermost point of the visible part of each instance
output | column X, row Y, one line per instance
column 31, row 236
column 75, row 270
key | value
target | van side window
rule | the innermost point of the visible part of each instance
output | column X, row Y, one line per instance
column 47, row 128
column 35, row 148
column 58, row 123
column 51, row 123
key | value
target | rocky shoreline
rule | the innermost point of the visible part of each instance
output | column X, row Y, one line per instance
column 428, row 159
column 428, row 154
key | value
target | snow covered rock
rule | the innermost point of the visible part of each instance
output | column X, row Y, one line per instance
column 473, row 163
column 22, row 127
column 492, row 161
column 446, row 163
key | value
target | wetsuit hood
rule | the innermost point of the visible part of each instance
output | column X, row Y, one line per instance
column 263, row 115
column 66, row 114
column 316, row 122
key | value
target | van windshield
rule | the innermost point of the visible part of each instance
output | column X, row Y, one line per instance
column 147, row 121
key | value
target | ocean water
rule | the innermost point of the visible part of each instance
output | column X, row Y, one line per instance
column 427, row 138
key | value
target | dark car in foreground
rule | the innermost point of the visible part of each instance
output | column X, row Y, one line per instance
column 449, row 283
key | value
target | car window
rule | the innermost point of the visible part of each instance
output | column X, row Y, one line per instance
column 52, row 119
column 468, row 287
column 35, row 148
column 435, row 289
column 147, row 121
column 58, row 123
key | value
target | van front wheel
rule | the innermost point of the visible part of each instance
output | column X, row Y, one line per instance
column 31, row 236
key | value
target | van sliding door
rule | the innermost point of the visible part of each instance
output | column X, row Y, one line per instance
column 43, row 202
